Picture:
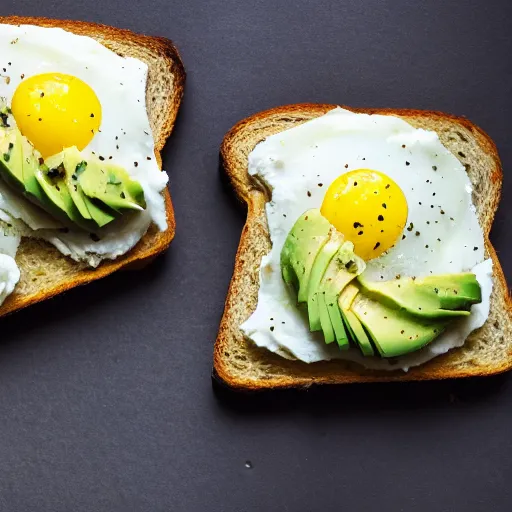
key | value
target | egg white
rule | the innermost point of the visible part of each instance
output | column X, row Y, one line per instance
column 9, row 271
column 444, row 236
column 125, row 136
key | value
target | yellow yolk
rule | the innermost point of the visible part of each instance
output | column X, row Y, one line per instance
column 368, row 208
column 56, row 111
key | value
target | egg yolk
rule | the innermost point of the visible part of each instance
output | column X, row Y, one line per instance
column 368, row 208
column 56, row 111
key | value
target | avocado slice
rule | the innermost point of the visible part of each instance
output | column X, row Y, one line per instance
column 438, row 296
column 19, row 162
column 74, row 166
column 342, row 269
column 322, row 260
column 325, row 319
column 68, row 161
column 352, row 323
column 395, row 332
column 33, row 190
column 31, row 163
column 111, row 185
column 306, row 238
column 53, row 183
column 11, row 157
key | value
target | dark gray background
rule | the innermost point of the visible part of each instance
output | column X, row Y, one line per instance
column 106, row 401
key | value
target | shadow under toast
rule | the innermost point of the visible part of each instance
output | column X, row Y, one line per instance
column 362, row 399
column 16, row 326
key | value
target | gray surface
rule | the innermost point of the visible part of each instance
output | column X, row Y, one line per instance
column 111, row 408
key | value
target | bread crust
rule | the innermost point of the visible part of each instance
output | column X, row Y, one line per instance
column 127, row 43
column 292, row 374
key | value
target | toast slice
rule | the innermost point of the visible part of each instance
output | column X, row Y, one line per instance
column 238, row 363
column 45, row 272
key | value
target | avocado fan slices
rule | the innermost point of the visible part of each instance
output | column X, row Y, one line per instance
column 388, row 318
column 82, row 192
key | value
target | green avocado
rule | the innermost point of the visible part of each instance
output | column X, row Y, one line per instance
column 11, row 157
column 438, row 296
column 53, row 182
column 342, row 269
column 67, row 160
column 111, row 185
column 31, row 164
column 322, row 260
column 325, row 319
column 75, row 165
column 354, row 326
column 308, row 235
column 33, row 190
column 395, row 332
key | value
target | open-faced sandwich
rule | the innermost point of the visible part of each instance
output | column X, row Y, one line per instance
column 84, row 112
column 365, row 255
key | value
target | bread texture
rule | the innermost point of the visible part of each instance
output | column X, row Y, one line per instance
column 45, row 272
column 239, row 363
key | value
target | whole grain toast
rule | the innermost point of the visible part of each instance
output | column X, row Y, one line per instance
column 45, row 272
column 239, row 363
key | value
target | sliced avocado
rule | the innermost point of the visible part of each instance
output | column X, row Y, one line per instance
column 67, row 160
column 342, row 269
column 430, row 297
column 53, row 183
column 72, row 159
column 75, row 165
column 455, row 291
column 11, row 157
column 395, row 332
column 33, row 190
column 102, row 216
column 306, row 238
column 31, row 164
column 111, row 185
column 352, row 323
column 325, row 319
column 322, row 260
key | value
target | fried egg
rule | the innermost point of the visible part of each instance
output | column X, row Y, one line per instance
column 393, row 190
column 69, row 90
